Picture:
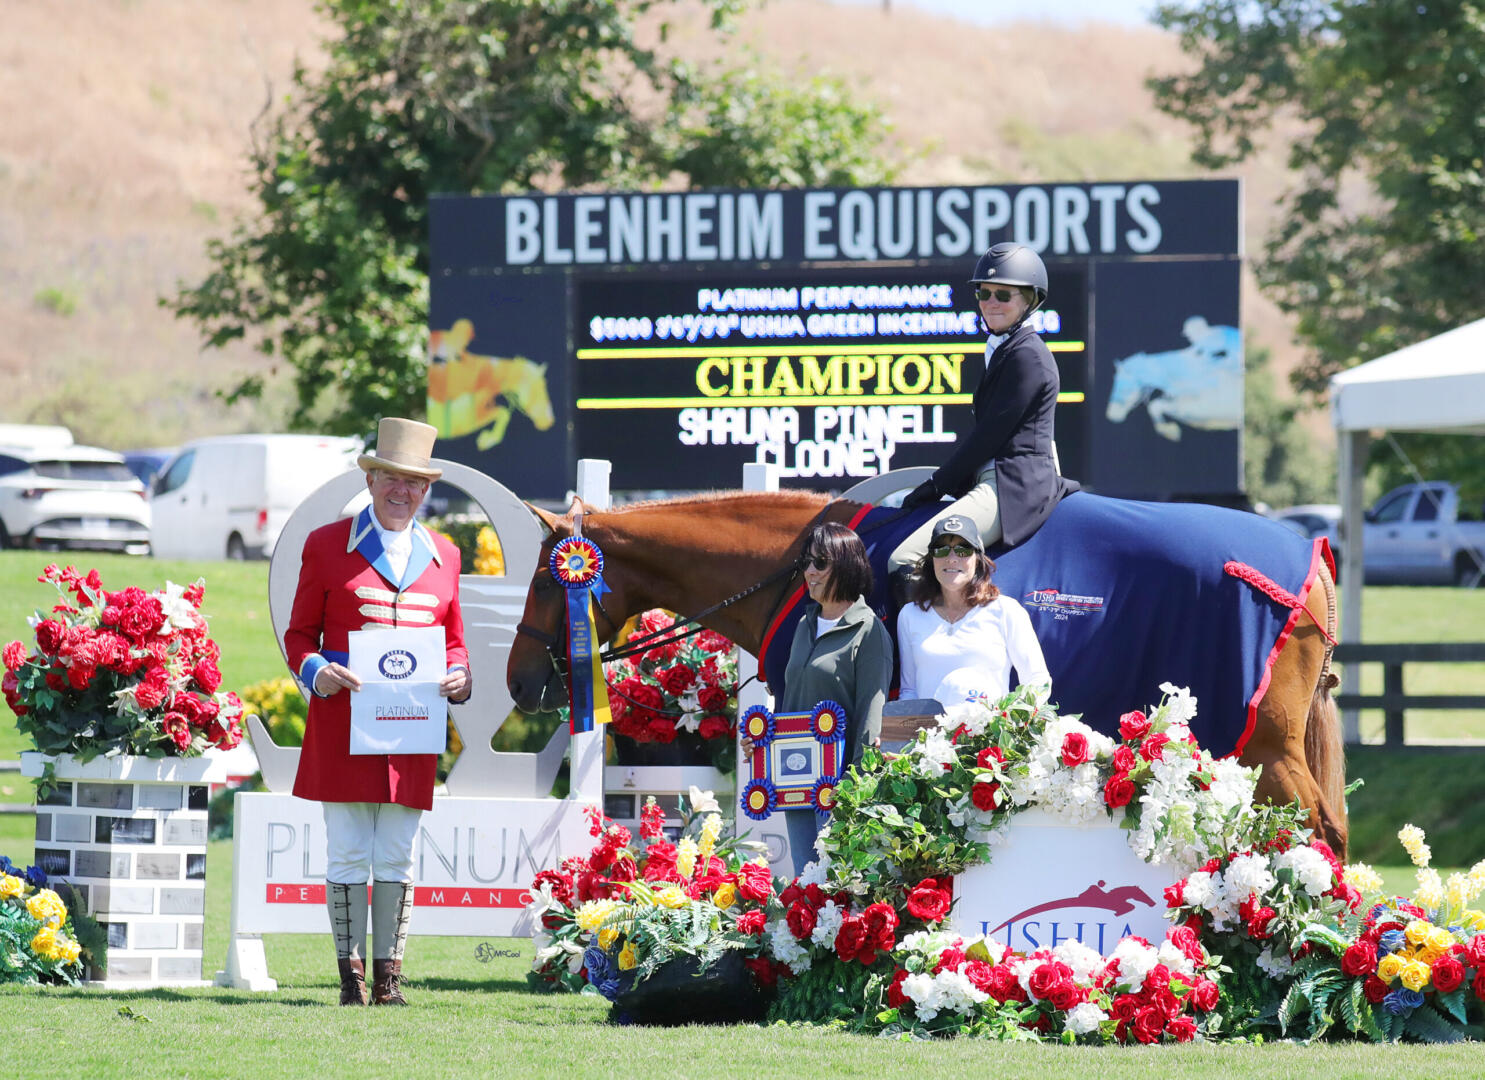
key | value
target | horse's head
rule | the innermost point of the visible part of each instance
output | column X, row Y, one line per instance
column 1130, row 388
column 535, row 672
column 529, row 394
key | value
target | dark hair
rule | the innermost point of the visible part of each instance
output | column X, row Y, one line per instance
column 925, row 589
column 850, row 573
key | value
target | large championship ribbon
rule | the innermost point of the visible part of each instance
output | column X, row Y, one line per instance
column 577, row 564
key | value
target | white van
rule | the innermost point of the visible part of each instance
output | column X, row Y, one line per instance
column 229, row 496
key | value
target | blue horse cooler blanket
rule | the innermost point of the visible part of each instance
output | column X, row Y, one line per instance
column 1126, row 595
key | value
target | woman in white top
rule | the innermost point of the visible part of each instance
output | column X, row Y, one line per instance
column 958, row 637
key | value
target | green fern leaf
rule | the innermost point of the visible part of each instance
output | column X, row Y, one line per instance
column 1456, row 1004
column 1369, row 1025
column 1350, row 1006
column 1427, row 1024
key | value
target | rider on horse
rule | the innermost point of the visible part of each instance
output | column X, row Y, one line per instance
column 1002, row 473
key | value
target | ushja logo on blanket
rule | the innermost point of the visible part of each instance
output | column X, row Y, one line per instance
column 1061, row 603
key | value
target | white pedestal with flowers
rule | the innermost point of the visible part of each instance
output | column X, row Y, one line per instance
column 130, row 834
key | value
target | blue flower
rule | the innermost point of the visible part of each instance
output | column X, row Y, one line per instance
column 1399, row 1002
column 1390, row 942
column 36, row 877
column 6, row 866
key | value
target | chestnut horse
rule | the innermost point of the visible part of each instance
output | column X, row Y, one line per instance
column 686, row 555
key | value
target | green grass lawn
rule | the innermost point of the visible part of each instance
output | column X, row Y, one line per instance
column 473, row 1018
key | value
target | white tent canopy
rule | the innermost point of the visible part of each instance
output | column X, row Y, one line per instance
column 1438, row 386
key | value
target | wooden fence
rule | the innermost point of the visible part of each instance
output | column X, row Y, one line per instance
column 1393, row 700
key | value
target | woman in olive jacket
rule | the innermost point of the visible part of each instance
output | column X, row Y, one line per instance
column 841, row 653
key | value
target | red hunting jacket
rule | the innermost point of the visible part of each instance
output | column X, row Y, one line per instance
column 345, row 584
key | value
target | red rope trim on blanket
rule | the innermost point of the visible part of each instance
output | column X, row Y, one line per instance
column 1274, row 591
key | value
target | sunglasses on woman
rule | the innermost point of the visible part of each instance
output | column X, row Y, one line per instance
column 943, row 551
column 1003, row 295
column 819, row 562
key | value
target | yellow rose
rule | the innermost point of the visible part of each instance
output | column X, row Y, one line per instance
column 673, row 898
column 44, row 944
column 1390, row 967
column 1415, row 975
column 628, row 957
column 1428, row 954
column 47, row 907
column 1417, row 932
column 11, row 886
column 1473, row 919
column 1440, row 940
column 68, row 949
column 607, row 937
column 725, row 896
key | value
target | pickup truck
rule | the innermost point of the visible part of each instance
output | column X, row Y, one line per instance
column 1414, row 535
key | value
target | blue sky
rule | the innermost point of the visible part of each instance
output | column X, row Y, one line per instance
column 990, row 12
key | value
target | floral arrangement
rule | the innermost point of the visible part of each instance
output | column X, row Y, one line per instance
column 676, row 686
column 281, row 706
column 38, row 942
column 125, row 672
column 1400, row 966
column 612, row 918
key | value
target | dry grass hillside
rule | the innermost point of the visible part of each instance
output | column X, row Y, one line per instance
column 126, row 124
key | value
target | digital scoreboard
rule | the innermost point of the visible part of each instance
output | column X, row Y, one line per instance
column 831, row 334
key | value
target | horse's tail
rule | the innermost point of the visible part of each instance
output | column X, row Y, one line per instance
column 1325, row 752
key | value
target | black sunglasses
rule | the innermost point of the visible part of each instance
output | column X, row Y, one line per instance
column 964, row 551
column 1003, row 295
column 819, row 562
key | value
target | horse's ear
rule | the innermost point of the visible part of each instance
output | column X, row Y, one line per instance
column 547, row 518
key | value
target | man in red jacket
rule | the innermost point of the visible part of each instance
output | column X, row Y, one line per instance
column 377, row 570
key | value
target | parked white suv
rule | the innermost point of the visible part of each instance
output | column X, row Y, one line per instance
column 71, row 497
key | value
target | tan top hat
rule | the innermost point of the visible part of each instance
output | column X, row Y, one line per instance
column 404, row 446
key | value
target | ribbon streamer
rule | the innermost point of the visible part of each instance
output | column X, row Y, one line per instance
column 577, row 563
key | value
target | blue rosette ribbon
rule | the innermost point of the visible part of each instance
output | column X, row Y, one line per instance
column 576, row 564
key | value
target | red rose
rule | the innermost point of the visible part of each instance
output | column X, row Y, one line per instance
column 1258, row 924
column 49, row 636
column 1157, row 978
column 1004, row 985
column 677, row 680
column 801, row 920
column 712, row 642
column 1448, row 974
column 176, row 727
column 80, row 675
column 1045, row 977
column 151, row 690
column 1074, row 749
column 880, row 921
column 11, row 687
column 1478, row 986
column 712, row 699
column 950, row 959
column 14, row 655
column 1133, row 725
column 754, row 883
column 1118, row 791
column 763, row 970
column 1149, row 1024
column 714, row 727
column 849, row 940
column 1066, row 995
column 752, row 922
column 1182, row 1027
column 1152, row 746
column 1175, row 895
column 979, row 975
column 1475, row 950
column 983, row 795
column 1185, row 939
column 989, row 756
column 896, row 999
column 1124, row 759
column 1204, row 995
column 1375, row 989
column 207, row 676
column 1124, row 1007
column 928, row 902
column 661, row 730
column 1360, row 959
column 1167, row 1002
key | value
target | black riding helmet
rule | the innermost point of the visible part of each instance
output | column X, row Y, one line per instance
column 1013, row 264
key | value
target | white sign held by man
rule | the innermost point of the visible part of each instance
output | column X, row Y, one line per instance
column 398, row 709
